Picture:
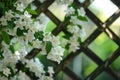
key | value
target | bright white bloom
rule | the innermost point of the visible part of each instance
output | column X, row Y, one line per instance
column 19, row 24
column 74, row 20
column 74, row 44
column 81, row 11
column 22, row 76
column 70, row 11
column 26, row 17
column 50, row 71
column 43, row 19
column 9, row 15
column 35, row 66
column 29, row 36
column 47, row 37
column 56, row 54
column 73, row 29
column 37, row 44
column 3, row 21
column 55, row 41
column 20, row 6
column 6, row 71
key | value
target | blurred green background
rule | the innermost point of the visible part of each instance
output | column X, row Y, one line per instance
column 102, row 46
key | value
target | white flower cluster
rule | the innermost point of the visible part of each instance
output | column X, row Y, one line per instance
column 21, row 33
column 26, row 33
column 76, row 26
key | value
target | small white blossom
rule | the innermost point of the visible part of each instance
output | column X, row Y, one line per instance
column 74, row 44
column 55, row 41
column 50, row 71
column 29, row 36
column 56, row 54
column 20, row 6
column 47, row 37
column 6, row 71
column 37, row 44
column 81, row 12
column 70, row 11
column 3, row 21
column 9, row 15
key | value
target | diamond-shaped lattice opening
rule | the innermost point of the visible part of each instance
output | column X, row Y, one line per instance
column 116, row 66
column 103, row 76
column 89, row 27
column 103, row 46
column 83, row 66
column 58, row 10
column 50, row 26
column 115, row 27
column 103, row 9
column 62, row 76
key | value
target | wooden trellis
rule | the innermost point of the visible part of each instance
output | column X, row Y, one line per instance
column 101, row 27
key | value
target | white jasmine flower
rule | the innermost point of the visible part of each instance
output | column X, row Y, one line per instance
column 6, row 71
column 29, row 36
column 9, row 15
column 37, row 44
column 70, row 11
column 56, row 54
column 74, row 20
column 47, row 37
column 22, row 76
column 3, row 21
column 81, row 12
column 20, row 6
column 43, row 19
column 19, row 24
column 35, row 66
column 73, row 29
column 43, row 52
column 50, row 71
column 26, row 17
column 74, row 44
column 55, row 41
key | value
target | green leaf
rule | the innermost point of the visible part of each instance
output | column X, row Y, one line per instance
column 67, row 36
column 2, row 4
column 5, row 37
column 12, row 48
column 79, row 40
column 20, row 32
column 82, row 18
column 31, row 11
column 39, row 35
column 67, row 46
column 48, row 46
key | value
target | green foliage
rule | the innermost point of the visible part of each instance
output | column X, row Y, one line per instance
column 48, row 46
column 12, row 48
column 82, row 18
column 5, row 37
column 39, row 35
column 33, row 12
column 20, row 32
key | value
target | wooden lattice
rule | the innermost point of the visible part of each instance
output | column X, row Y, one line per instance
column 101, row 27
